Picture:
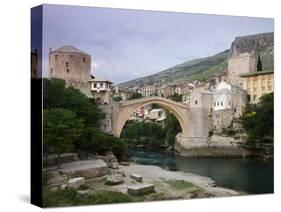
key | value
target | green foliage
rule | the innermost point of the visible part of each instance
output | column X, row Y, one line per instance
column 176, row 97
column 111, row 197
column 117, row 98
column 136, row 96
column 53, row 93
column 82, row 106
column 61, row 129
column 72, row 122
column 57, row 96
column 97, row 142
column 172, row 128
column 152, row 134
column 179, row 184
column 259, row 64
column 69, row 197
column 258, row 119
column 148, row 133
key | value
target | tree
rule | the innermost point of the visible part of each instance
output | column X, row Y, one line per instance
column 117, row 98
column 61, row 128
column 136, row 96
column 53, row 93
column 259, row 64
column 172, row 128
column 56, row 95
column 176, row 97
column 258, row 119
column 82, row 106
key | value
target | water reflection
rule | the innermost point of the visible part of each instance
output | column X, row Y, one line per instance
column 251, row 176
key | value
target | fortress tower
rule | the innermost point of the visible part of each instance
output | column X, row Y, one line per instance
column 72, row 65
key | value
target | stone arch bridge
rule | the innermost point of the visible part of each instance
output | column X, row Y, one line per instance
column 125, row 109
column 194, row 122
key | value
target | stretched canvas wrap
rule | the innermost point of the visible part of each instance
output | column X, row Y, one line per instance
column 136, row 106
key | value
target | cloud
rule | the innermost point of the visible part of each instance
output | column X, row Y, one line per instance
column 125, row 44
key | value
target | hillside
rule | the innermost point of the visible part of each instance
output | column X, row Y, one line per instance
column 190, row 70
column 261, row 44
column 199, row 69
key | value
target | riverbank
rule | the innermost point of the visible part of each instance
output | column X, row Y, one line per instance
column 163, row 179
column 168, row 185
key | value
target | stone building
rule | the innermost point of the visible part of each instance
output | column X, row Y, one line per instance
column 201, row 102
column 240, row 64
column 72, row 65
column 223, row 97
column 34, row 64
column 166, row 90
column 123, row 93
column 257, row 84
column 228, row 102
column 101, row 90
column 148, row 90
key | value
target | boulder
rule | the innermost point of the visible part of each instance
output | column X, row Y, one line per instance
column 111, row 160
column 141, row 189
column 52, row 160
column 55, row 178
column 114, row 179
column 75, row 183
column 63, row 186
column 136, row 177
column 113, row 165
column 117, row 171
column 84, row 193
column 124, row 163
column 85, row 168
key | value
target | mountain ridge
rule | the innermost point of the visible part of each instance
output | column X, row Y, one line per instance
column 261, row 45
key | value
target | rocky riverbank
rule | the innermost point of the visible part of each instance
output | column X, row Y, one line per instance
column 90, row 177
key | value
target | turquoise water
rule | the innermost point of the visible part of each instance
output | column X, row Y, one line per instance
column 246, row 175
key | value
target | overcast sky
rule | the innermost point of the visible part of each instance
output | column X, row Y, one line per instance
column 126, row 44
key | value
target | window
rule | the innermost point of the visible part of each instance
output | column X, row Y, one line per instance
column 95, row 85
column 67, row 70
column 254, row 97
column 196, row 102
column 84, row 59
column 229, row 103
column 56, row 57
column 221, row 103
column 269, row 84
column 51, row 70
column 66, row 64
column 71, row 57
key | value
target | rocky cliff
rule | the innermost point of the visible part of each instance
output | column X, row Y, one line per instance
column 259, row 44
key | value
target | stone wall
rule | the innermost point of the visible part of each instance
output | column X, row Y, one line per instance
column 240, row 64
column 73, row 67
column 69, row 66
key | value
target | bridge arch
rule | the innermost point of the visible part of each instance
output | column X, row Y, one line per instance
column 181, row 112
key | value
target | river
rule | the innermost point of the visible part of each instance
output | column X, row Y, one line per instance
column 244, row 175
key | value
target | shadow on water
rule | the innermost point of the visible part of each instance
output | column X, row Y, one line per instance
column 247, row 175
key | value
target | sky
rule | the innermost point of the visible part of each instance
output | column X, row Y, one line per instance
column 127, row 44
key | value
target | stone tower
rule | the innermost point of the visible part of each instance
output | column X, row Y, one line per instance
column 240, row 64
column 72, row 65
